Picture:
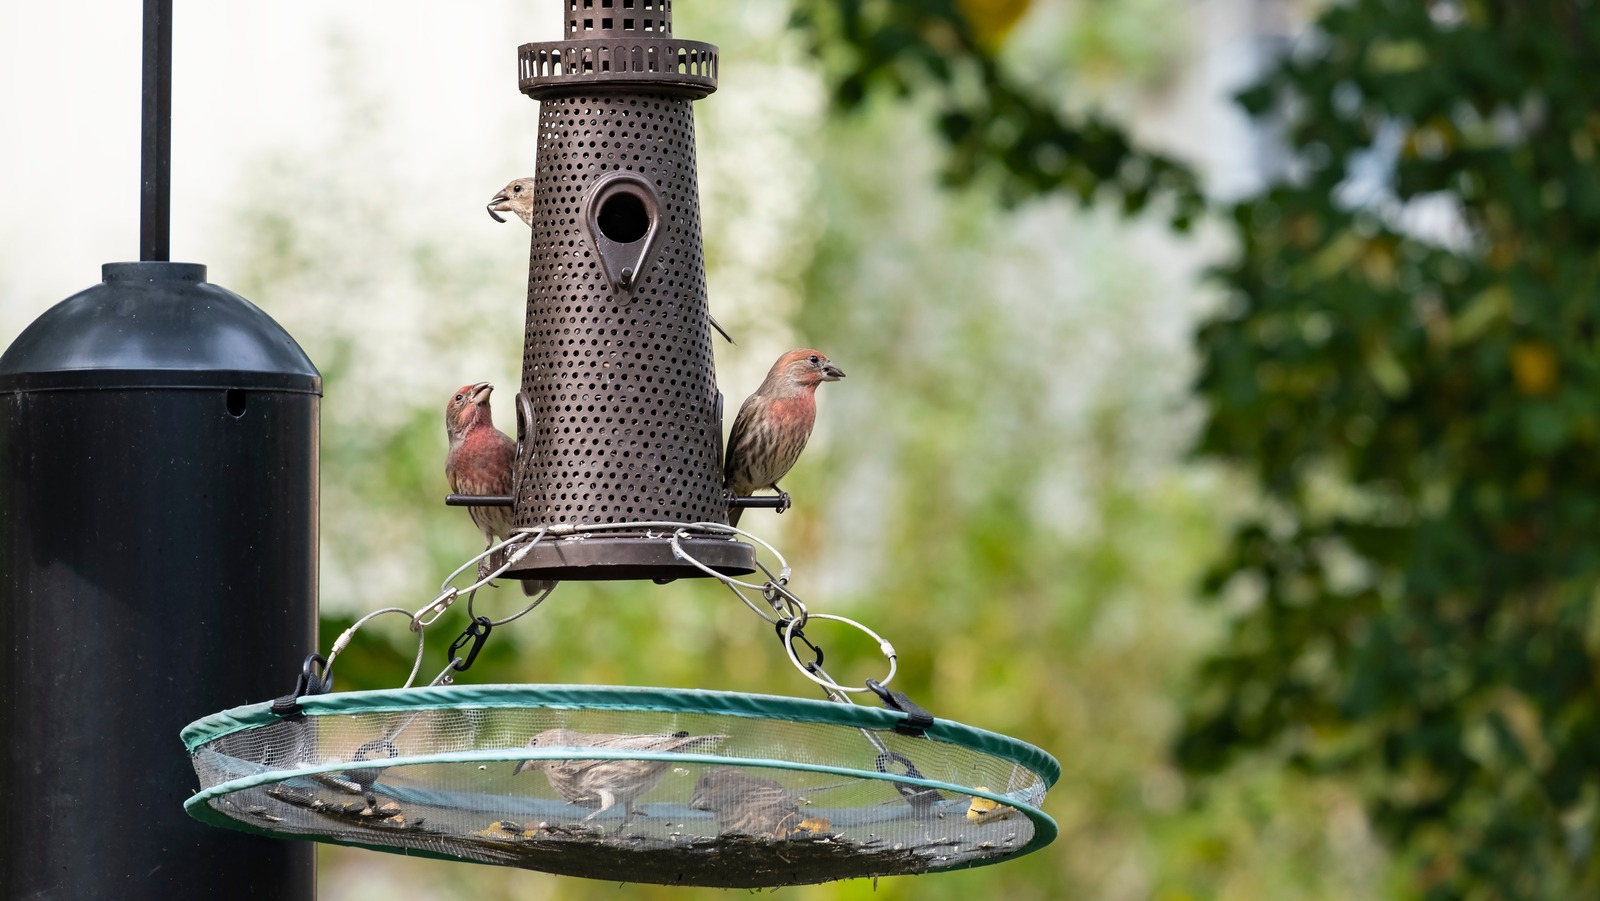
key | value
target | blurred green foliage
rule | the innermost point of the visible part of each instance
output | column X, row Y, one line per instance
column 1016, row 142
column 1406, row 363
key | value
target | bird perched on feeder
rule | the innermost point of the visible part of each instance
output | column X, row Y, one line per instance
column 517, row 197
column 750, row 805
column 480, row 463
column 607, row 783
column 774, row 424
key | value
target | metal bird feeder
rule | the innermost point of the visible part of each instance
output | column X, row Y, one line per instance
column 619, row 419
column 618, row 475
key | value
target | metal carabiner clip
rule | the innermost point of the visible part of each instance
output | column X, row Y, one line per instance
column 477, row 633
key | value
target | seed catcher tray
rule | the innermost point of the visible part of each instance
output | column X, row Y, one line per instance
column 668, row 786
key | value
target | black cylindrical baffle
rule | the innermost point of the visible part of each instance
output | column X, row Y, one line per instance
column 158, row 562
column 619, row 418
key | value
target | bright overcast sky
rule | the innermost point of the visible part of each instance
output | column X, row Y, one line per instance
column 247, row 78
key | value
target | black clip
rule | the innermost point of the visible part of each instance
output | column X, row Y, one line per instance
column 920, row 797
column 782, row 628
column 377, row 744
column 309, row 683
column 917, row 720
column 888, row 757
column 477, row 633
column 366, row 777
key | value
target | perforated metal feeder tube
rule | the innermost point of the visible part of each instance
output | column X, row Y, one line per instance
column 619, row 419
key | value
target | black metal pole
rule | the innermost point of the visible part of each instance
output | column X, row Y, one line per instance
column 155, row 158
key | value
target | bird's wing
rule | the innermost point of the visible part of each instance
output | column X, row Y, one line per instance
column 749, row 412
column 658, row 742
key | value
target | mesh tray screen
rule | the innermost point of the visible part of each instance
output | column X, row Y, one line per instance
column 672, row 797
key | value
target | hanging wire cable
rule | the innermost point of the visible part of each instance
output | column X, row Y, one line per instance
column 779, row 605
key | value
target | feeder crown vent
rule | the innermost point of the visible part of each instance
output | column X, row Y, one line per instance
column 618, row 18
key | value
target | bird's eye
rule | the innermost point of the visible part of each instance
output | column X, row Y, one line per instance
column 458, row 397
column 815, row 359
column 517, row 189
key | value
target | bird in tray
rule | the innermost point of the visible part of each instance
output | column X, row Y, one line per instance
column 603, row 784
column 753, row 806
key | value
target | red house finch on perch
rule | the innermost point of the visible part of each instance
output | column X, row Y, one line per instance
column 517, row 197
column 751, row 805
column 479, row 463
column 607, row 783
column 774, row 424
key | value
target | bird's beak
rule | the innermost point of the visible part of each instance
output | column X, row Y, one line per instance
column 480, row 393
column 522, row 765
column 498, row 202
column 831, row 373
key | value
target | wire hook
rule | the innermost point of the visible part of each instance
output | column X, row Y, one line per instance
column 476, row 633
column 788, row 631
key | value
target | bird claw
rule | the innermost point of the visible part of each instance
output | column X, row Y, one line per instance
column 784, row 501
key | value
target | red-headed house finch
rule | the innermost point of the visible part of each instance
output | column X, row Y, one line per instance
column 607, row 783
column 750, row 805
column 517, row 197
column 479, row 463
column 774, row 424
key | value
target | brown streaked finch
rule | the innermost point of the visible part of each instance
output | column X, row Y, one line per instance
column 479, row 463
column 774, row 424
column 608, row 782
column 751, row 805
column 517, row 197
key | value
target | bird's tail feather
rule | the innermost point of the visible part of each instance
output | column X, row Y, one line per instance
column 530, row 587
column 700, row 743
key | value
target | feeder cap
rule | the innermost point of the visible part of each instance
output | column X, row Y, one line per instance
column 156, row 325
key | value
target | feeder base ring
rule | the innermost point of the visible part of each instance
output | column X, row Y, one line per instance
column 585, row 559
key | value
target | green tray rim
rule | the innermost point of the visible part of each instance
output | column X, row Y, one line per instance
column 599, row 697
column 607, row 697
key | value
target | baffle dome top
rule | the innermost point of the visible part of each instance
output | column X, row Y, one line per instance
column 156, row 324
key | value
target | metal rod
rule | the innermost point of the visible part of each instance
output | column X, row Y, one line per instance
column 478, row 500
column 770, row 502
column 155, row 144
